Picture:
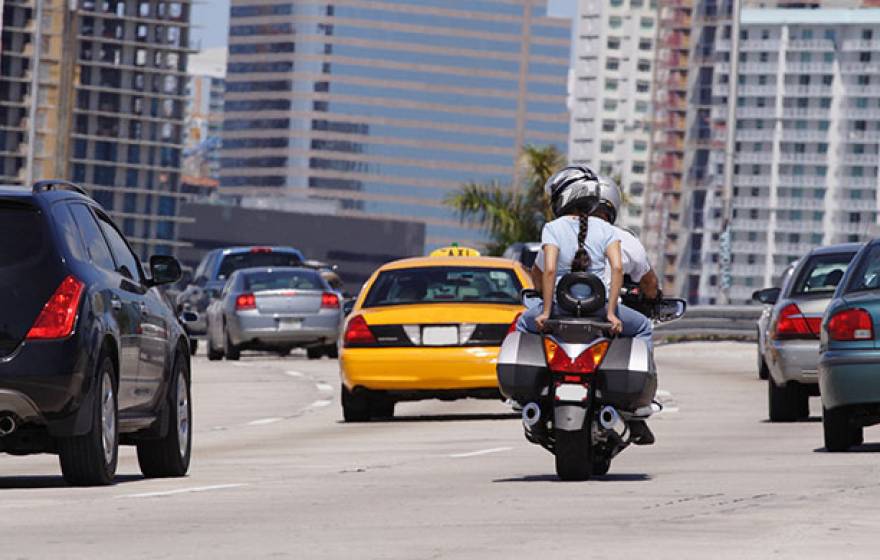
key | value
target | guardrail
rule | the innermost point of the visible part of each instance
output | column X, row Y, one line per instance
column 712, row 322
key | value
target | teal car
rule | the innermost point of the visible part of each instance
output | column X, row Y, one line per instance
column 849, row 366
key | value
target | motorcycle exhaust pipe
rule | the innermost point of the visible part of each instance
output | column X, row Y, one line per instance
column 531, row 415
column 610, row 419
column 7, row 425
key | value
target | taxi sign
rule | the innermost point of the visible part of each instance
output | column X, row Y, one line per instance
column 455, row 251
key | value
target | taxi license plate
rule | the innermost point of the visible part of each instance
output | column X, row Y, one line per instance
column 439, row 336
column 289, row 324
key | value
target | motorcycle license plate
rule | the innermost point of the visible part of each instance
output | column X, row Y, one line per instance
column 572, row 392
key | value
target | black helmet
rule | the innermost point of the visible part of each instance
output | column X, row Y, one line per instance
column 572, row 188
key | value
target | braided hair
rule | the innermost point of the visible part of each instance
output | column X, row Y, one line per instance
column 581, row 261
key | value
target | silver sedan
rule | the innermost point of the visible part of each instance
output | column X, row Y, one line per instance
column 788, row 343
column 274, row 309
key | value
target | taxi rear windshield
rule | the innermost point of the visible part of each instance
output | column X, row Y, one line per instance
column 444, row 285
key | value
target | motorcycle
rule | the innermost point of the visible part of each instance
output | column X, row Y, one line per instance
column 584, row 393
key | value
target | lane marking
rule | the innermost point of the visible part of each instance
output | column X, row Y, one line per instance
column 181, row 491
column 294, row 373
column 324, row 387
column 322, row 403
column 481, row 452
column 263, row 421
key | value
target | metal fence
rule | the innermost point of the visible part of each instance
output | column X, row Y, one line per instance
column 713, row 322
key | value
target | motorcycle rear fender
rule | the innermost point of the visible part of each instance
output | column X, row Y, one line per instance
column 569, row 418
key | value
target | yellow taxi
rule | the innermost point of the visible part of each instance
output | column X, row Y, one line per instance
column 428, row 327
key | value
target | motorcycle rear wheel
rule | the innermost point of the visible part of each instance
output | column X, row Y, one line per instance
column 574, row 454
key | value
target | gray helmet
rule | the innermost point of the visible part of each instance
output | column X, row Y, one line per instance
column 609, row 198
column 572, row 188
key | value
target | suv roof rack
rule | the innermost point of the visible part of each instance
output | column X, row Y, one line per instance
column 56, row 184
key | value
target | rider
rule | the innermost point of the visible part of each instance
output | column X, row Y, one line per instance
column 577, row 241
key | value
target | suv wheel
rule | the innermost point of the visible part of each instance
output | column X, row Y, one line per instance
column 355, row 407
column 314, row 352
column 90, row 459
column 787, row 403
column 170, row 455
column 837, row 429
column 231, row 350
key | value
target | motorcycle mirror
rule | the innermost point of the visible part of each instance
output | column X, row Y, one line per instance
column 189, row 317
column 670, row 309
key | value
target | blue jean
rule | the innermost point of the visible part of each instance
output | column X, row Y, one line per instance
column 635, row 325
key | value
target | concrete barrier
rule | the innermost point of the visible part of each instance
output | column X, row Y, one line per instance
column 712, row 322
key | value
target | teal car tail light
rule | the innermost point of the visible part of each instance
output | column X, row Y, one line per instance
column 851, row 324
column 793, row 323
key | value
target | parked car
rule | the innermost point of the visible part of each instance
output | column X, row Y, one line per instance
column 274, row 309
column 216, row 267
column 427, row 328
column 91, row 354
column 523, row 253
column 764, row 322
column 850, row 354
column 790, row 348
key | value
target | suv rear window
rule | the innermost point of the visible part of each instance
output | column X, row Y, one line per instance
column 237, row 261
column 444, row 285
column 866, row 276
column 22, row 236
column 821, row 274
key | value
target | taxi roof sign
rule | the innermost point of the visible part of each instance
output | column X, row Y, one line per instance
column 455, row 251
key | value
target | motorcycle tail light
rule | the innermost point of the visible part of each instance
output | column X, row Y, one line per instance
column 245, row 302
column 329, row 301
column 851, row 324
column 587, row 362
column 793, row 324
column 58, row 316
column 358, row 333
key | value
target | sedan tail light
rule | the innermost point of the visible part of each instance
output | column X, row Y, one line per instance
column 587, row 362
column 358, row 333
column 851, row 324
column 329, row 301
column 792, row 323
column 245, row 302
column 59, row 314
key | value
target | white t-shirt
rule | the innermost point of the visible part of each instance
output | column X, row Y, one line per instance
column 633, row 256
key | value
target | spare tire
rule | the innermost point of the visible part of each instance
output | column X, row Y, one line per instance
column 580, row 293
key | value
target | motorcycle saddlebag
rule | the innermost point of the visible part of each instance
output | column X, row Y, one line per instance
column 522, row 367
column 628, row 377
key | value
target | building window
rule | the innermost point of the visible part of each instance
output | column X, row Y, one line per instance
column 865, row 56
column 615, row 21
column 638, row 167
column 607, row 147
column 646, row 22
column 613, row 43
column 644, row 65
column 612, row 64
column 609, row 104
column 610, row 85
column 645, row 44
column 608, row 125
column 639, row 146
column 642, row 86
column 641, row 106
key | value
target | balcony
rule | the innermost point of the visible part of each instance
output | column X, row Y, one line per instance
column 802, row 135
column 762, row 180
column 752, row 112
column 858, row 113
column 676, row 40
column 860, row 228
column 861, row 45
column 743, row 224
column 811, row 45
column 805, row 91
column 758, row 68
column 748, row 247
column 861, row 159
column 804, row 113
column 670, row 164
column 798, row 226
column 760, row 45
column 753, row 135
column 754, row 157
column 810, row 158
column 861, row 91
column 755, row 90
column 857, row 205
column 788, row 203
column 795, row 249
column 808, row 68
column 866, row 135
column 860, row 182
column 860, row 68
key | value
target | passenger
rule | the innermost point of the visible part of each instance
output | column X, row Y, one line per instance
column 576, row 241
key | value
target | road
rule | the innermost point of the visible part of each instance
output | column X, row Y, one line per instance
column 277, row 475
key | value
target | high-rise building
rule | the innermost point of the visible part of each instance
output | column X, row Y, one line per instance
column 807, row 139
column 613, row 73
column 204, row 124
column 94, row 92
column 383, row 109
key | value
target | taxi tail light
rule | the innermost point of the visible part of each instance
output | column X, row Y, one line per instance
column 851, row 324
column 793, row 324
column 329, row 301
column 245, row 302
column 358, row 333
column 58, row 316
column 512, row 328
column 588, row 362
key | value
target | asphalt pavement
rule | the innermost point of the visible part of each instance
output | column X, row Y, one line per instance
column 276, row 474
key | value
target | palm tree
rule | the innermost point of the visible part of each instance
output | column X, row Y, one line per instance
column 511, row 213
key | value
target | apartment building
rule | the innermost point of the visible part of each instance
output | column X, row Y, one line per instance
column 382, row 109
column 807, row 138
column 613, row 76
column 93, row 91
column 204, row 124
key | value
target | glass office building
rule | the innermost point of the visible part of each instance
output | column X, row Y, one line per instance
column 383, row 108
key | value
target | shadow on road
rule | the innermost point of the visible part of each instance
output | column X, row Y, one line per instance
column 449, row 417
column 613, row 477
column 49, row 481
column 810, row 420
column 864, row 448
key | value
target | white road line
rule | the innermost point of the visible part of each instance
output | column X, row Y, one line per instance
column 263, row 421
column 324, row 387
column 481, row 452
column 294, row 373
column 182, row 491
column 321, row 403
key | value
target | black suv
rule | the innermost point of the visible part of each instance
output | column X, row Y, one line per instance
column 91, row 354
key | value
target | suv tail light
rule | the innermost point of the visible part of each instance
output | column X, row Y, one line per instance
column 358, row 333
column 245, row 302
column 512, row 327
column 59, row 314
column 329, row 301
column 261, row 249
column 793, row 324
column 851, row 324
column 587, row 362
